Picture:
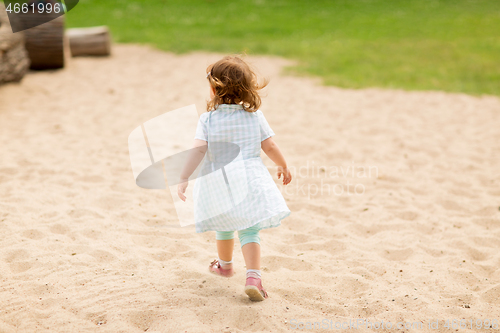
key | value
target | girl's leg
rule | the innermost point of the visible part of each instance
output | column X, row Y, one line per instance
column 250, row 247
column 225, row 245
column 251, row 253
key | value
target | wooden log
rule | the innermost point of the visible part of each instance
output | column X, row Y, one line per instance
column 95, row 41
column 44, row 43
column 14, row 61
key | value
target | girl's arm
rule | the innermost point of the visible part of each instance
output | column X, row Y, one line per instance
column 196, row 155
column 274, row 153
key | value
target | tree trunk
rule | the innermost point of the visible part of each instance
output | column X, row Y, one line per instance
column 14, row 61
column 89, row 41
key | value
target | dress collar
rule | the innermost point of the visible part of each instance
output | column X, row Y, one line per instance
column 229, row 107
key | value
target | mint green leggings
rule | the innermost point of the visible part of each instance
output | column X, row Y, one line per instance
column 249, row 235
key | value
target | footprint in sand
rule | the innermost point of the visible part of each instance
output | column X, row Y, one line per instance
column 142, row 319
column 162, row 256
column 476, row 255
column 397, row 254
column 274, row 263
column 97, row 318
column 103, row 256
column 33, row 234
column 17, row 261
column 91, row 234
column 59, row 229
column 492, row 295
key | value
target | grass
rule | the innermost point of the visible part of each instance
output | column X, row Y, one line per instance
column 450, row 45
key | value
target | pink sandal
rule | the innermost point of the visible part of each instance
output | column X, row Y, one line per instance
column 254, row 289
column 216, row 268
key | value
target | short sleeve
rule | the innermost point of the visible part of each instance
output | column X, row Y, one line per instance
column 201, row 129
column 265, row 130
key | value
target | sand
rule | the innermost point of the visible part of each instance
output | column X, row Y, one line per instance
column 411, row 236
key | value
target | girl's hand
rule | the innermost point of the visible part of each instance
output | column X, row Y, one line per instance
column 287, row 176
column 181, row 189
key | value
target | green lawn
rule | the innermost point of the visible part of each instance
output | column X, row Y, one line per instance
column 451, row 45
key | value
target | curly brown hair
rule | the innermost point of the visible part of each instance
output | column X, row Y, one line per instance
column 234, row 82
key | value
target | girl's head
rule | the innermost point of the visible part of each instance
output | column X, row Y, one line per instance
column 232, row 81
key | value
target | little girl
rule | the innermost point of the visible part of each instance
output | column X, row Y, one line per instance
column 234, row 117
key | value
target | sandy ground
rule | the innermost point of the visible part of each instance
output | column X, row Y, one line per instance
column 413, row 235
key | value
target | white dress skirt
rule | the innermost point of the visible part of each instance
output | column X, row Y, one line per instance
column 234, row 189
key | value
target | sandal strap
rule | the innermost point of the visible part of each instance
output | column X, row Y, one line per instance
column 215, row 262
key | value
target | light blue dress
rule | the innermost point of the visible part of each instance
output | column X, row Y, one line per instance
column 242, row 194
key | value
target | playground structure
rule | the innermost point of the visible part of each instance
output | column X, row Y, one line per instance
column 45, row 42
column 94, row 41
column 43, row 45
